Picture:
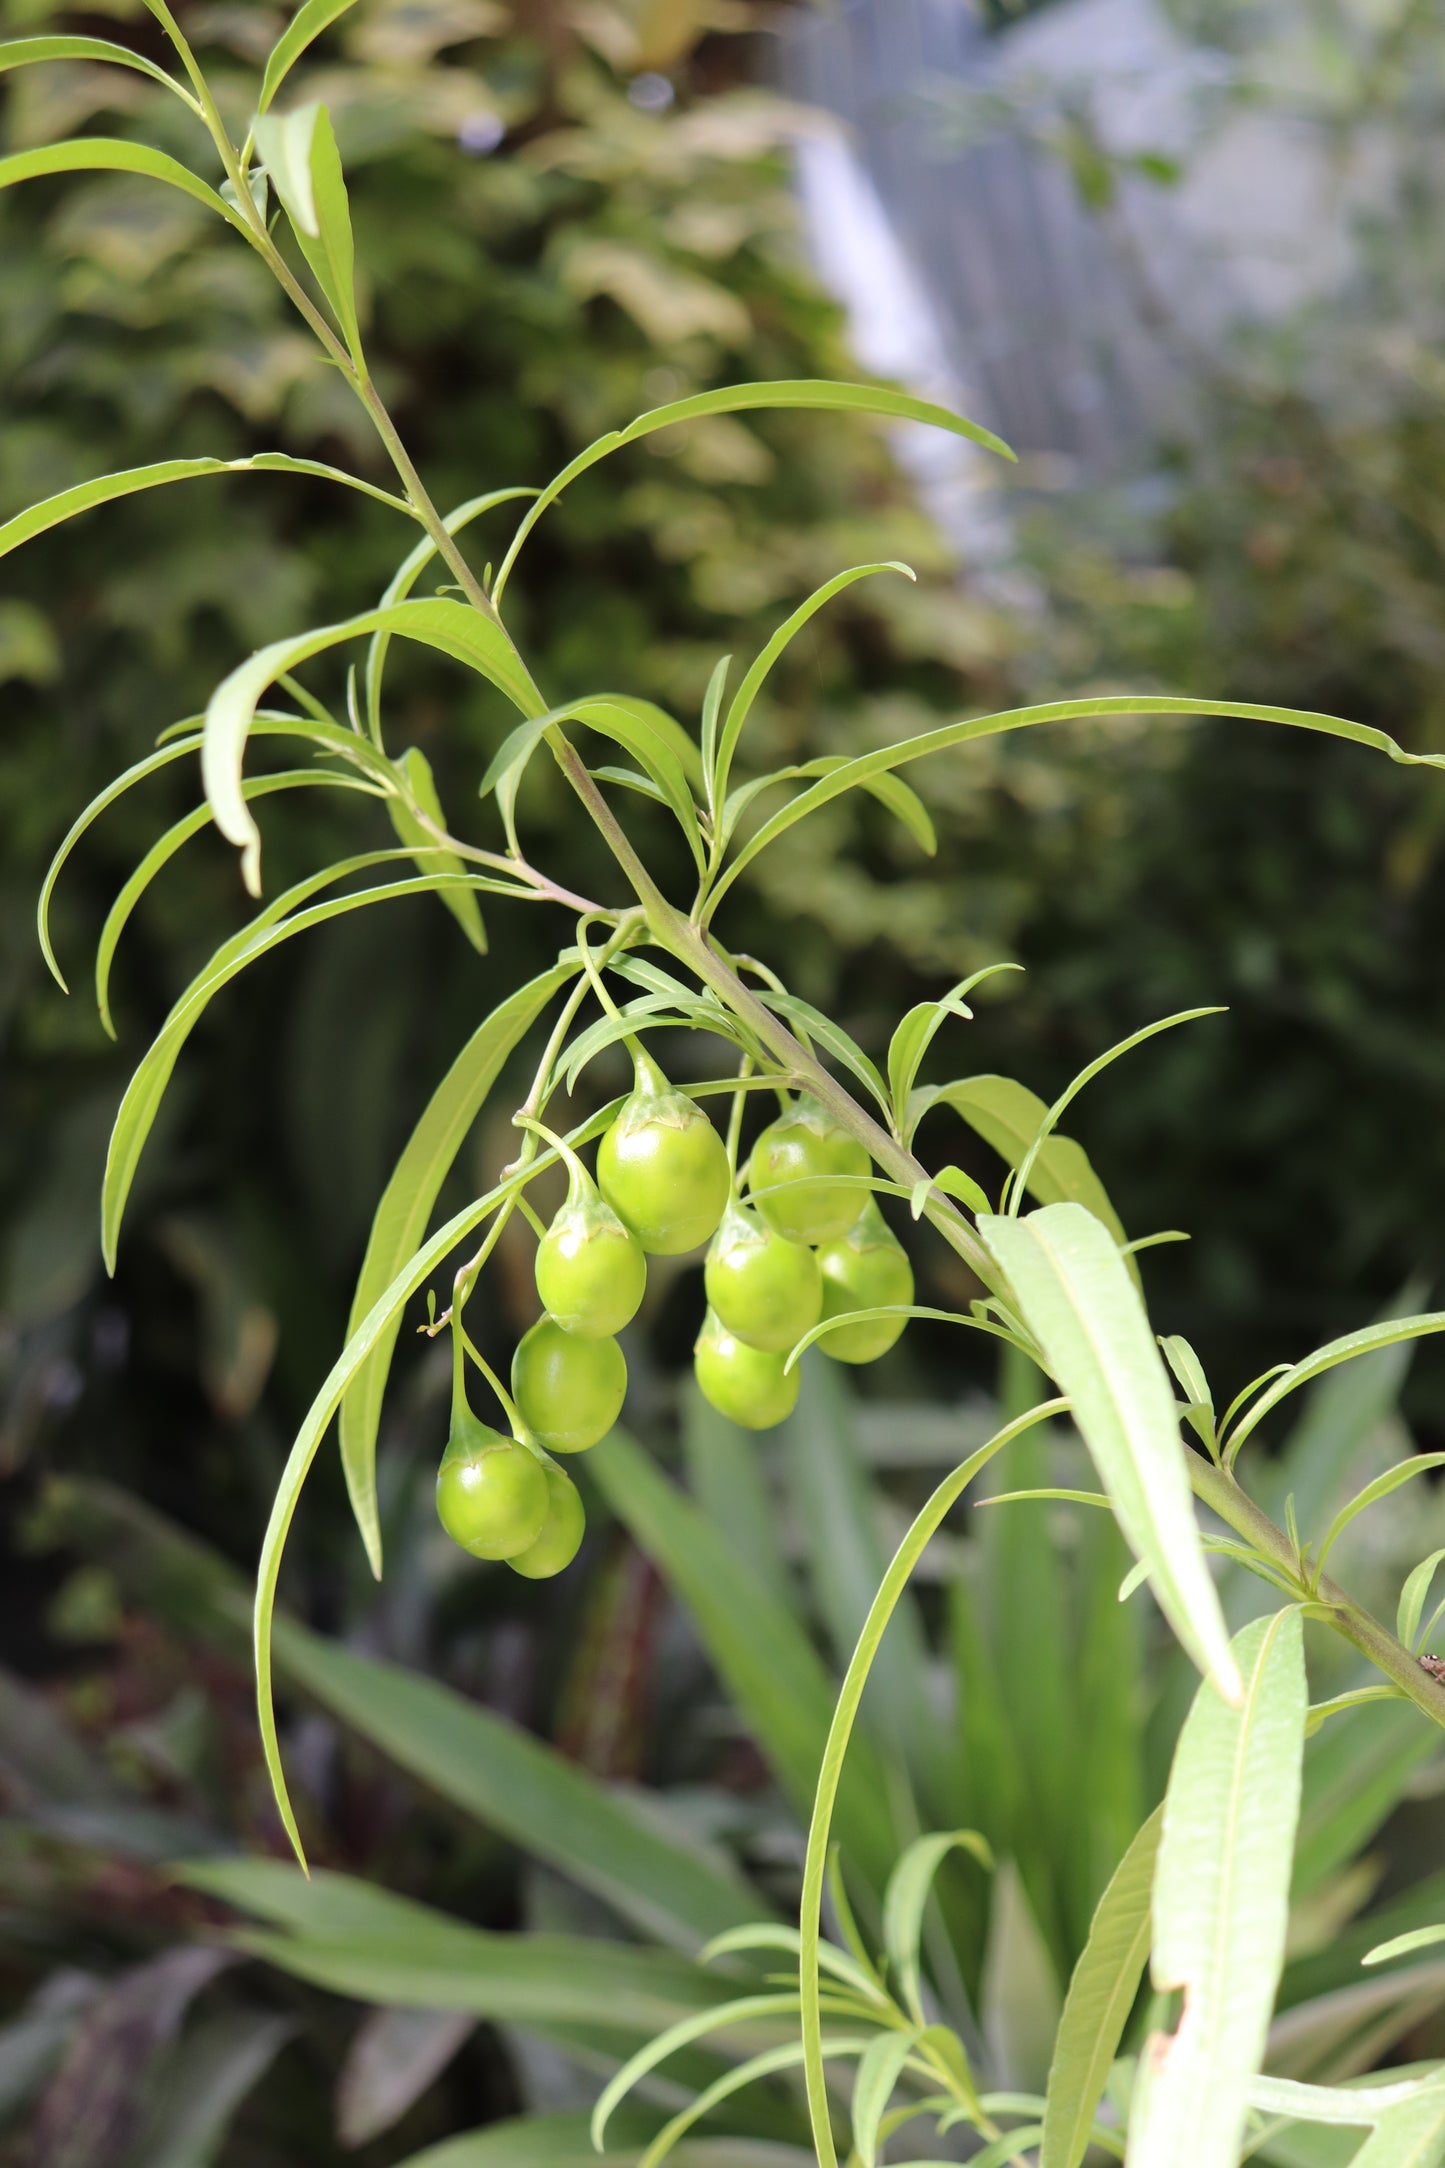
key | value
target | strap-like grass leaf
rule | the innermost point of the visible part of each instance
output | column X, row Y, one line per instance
column 454, row 628
column 405, row 578
column 1325, row 1358
column 305, row 169
column 20, row 52
column 1009, row 1116
column 742, row 701
column 113, row 154
column 774, row 1676
column 165, row 848
column 305, row 26
column 1221, row 1901
column 858, row 772
column 144, row 1093
column 1074, row 1293
column 1101, row 1995
column 51, row 511
column 399, row 1223
column 746, row 398
column 907, row 1895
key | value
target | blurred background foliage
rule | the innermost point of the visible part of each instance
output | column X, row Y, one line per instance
column 566, row 214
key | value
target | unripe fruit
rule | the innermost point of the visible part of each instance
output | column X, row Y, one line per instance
column 662, row 1166
column 491, row 1491
column 865, row 1269
column 591, row 1273
column 743, row 1383
column 763, row 1288
column 569, row 1391
column 795, row 1150
column 562, row 1531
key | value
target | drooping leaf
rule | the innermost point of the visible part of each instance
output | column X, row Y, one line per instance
column 461, row 902
column 765, row 1660
column 906, row 1897
column 105, row 488
column 742, row 701
column 1101, row 1994
column 1221, row 1901
column 745, row 398
column 463, row 633
column 407, row 574
column 1009, row 1116
column 646, row 731
column 305, row 26
column 399, row 1223
column 1074, row 1294
column 917, row 1030
column 21, row 52
column 305, row 170
column 113, row 154
column 859, row 771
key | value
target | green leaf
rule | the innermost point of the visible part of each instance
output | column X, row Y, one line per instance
column 1008, row 1116
column 366, row 1942
column 612, row 1842
column 1421, row 1938
column 746, row 2010
column 1325, row 1358
column 649, row 733
column 831, row 1037
column 858, row 772
column 1189, row 1374
column 453, row 627
column 1101, row 1995
column 952, row 1182
column 461, row 902
column 907, row 1895
column 1221, row 1901
column 1074, row 1294
column 20, row 52
column 561, row 2141
column 918, row 1029
column 768, row 1666
column 742, row 701
column 1356, row 1774
column 879, row 2070
column 840, row 1965
column 1409, row 2136
column 1403, row 1472
column 747, row 398
column 51, row 511
column 711, row 710
column 112, row 154
column 1350, row 2105
column 144, row 1093
column 305, row 169
column 305, row 25
column 399, row 1223
column 162, row 851
column 766, row 2065
column 405, row 578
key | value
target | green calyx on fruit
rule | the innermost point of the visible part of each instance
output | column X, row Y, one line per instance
column 491, row 1490
column 746, row 1384
column 591, row 1272
column 569, row 1390
column 801, row 1151
column 763, row 1288
column 663, row 1167
column 865, row 1269
column 562, row 1531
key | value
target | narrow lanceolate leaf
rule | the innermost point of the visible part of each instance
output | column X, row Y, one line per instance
column 1221, row 1902
column 1344, row 1350
column 458, row 631
column 1009, row 1116
column 1101, row 1995
column 400, row 1222
column 879, row 2070
column 1409, row 2136
column 304, row 27
column 51, row 511
column 1073, row 1291
column 112, row 154
column 906, row 1898
column 461, row 902
column 747, row 398
column 21, row 52
column 305, row 168
column 402, row 581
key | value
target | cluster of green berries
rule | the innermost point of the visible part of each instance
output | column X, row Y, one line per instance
column 810, row 1245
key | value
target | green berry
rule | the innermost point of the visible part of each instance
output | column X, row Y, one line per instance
column 662, row 1166
column 491, row 1491
column 744, row 1383
column 591, row 1273
column 801, row 1150
column 865, row 1269
column 569, row 1391
column 562, row 1531
column 763, row 1288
